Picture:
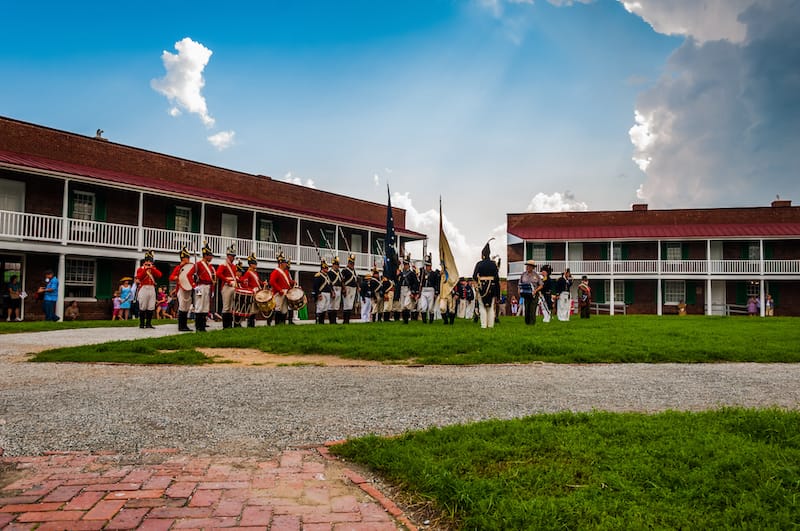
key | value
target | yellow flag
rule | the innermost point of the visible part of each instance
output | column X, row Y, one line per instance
column 449, row 269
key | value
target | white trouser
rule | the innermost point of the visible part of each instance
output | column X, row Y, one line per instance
column 336, row 299
column 564, row 306
column 366, row 309
column 323, row 302
column 227, row 298
column 427, row 300
column 487, row 315
column 146, row 297
column 407, row 299
column 184, row 300
column 348, row 298
column 202, row 300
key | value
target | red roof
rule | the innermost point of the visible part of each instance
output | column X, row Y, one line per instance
column 41, row 163
column 653, row 232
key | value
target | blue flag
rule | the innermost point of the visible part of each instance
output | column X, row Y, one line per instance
column 390, row 260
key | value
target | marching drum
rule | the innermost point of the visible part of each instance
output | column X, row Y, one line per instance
column 183, row 278
column 295, row 298
column 242, row 302
column 264, row 301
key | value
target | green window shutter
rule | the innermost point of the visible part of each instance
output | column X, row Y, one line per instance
column 625, row 251
column 548, row 251
column 745, row 253
column 99, row 206
column 684, row 252
column 663, row 292
column 528, row 251
column 691, row 292
column 104, row 287
column 196, row 220
column 603, row 252
column 769, row 252
column 70, row 204
column 773, row 290
column 599, row 292
column 663, row 250
column 741, row 293
column 170, row 225
column 629, row 291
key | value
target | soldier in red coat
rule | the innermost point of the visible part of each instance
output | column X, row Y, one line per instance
column 206, row 278
column 229, row 280
column 281, row 281
column 251, row 281
column 146, row 277
column 183, row 289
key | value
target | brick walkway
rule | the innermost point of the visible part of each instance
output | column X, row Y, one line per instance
column 298, row 490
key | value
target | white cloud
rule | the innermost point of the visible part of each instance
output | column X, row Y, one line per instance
column 556, row 202
column 703, row 20
column 183, row 83
column 289, row 178
column 720, row 125
column 222, row 140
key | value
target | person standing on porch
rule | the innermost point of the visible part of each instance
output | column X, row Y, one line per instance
column 49, row 294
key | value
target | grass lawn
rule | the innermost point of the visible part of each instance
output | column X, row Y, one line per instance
column 732, row 468
column 601, row 339
column 46, row 326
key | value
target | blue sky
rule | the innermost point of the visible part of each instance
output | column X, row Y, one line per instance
column 496, row 105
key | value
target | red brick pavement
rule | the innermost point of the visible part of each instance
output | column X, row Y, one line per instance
column 299, row 490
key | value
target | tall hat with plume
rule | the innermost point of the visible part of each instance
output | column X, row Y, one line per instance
column 149, row 256
column 184, row 253
column 239, row 266
column 207, row 250
column 280, row 257
column 429, row 259
column 231, row 251
column 252, row 259
column 323, row 264
column 335, row 260
column 486, row 252
column 351, row 258
column 407, row 259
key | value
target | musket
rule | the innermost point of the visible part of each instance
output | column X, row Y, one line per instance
column 345, row 240
column 315, row 245
column 327, row 243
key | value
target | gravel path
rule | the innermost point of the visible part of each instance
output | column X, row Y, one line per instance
column 254, row 410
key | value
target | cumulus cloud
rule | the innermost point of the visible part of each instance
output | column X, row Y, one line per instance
column 222, row 140
column 556, row 202
column 703, row 20
column 289, row 178
column 183, row 82
column 720, row 125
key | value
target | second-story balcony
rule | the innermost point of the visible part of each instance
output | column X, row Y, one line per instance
column 24, row 227
column 650, row 268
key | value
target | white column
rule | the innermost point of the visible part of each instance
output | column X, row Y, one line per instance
column 708, row 282
column 65, row 215
column 297, row 244
column 140, row 237
column 203, row 225
column 611, row 271
column 253, row 250
column 62, row 272
column 659, row 296
column 761, row 277
column 566, row 255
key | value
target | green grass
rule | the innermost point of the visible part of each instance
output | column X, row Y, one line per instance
column 46, row 326
column 732, row 468
column 601, row 339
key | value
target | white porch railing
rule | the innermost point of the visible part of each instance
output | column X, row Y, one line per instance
column 650, row 267
column 635, row 266
column 170, row 240
column 735, row 266
column 23, row 226
column 782, row 266
column 684, row 266
column 103, row 234
column 220, row 245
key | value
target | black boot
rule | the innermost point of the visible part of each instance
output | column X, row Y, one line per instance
column 332, row 316
column 406, row 315
column 183, row 322
column 396, row 316
column 386, row 316
column 279, row 318
column 200, row 322
column 424, row 317
column 346, row 317
column 141, row 319
column 452, row 317
column 148, row 319
column 431, row 317
column 289, row 317
column 415, row 316
column 251, row 321
column 227, row 320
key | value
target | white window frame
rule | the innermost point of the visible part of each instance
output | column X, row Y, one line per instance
column 616, row 253
column 674, row 291
column 330, row 236
column 229, row 225
column 754, row 289
column 80, row 273
column 619, row 291
column 539, row 252
column 674, row 251
column 82, row 201
column 13, row 195
column 181, row 213
column 753, row 251
column 266, row 231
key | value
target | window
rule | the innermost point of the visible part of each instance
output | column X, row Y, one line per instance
column 266, row 231
column 674, row 291
column 328, row 240
column 230, row 225
column 616, row 253
column 378, row 248
column 753, row 289
column 673, row 252
column 183, row 219
column 83, row 205
column 79, row 278
column 619, row 291
column 539, row 252
column 753, row 251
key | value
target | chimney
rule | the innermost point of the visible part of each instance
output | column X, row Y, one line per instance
column 782, row 203
column 640, row 207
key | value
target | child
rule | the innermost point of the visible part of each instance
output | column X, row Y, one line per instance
column 72, row 312
column 117, row 301
column 161, row 303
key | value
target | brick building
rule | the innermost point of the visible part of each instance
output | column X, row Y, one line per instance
column 647, row 261
column 88, row 208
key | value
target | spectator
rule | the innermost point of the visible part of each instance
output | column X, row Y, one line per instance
column 72, row 313
column 49, row 293
column 126, row 294
column 682, row 307
column 514, row 306
column 162, row 304
column 584, row 297
column 752, row 306
column 769, row 306
column 14, row 301
column 116, row 301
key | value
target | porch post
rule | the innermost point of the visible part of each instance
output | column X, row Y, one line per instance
column 253, row 250
column 65, row 215
column 708, row 282
column 203, row 223
column 140, row 229
column 611, row 283
column 297, row 245
column 659, row 296
column 62, row 272
column 761, row 300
